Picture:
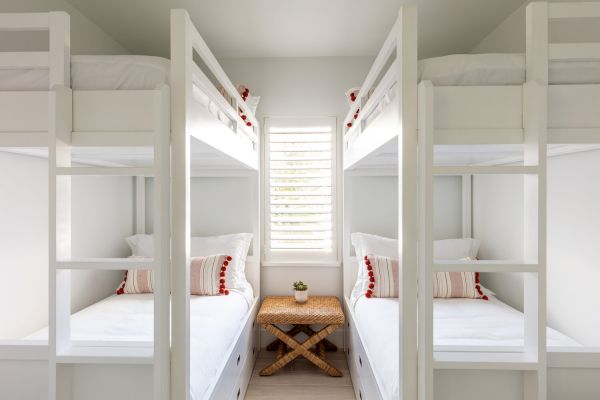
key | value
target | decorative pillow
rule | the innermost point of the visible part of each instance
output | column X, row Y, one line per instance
column 236, row 245
column 207, row 275
column 383, row 273
column 457, row 284
column 137, row 281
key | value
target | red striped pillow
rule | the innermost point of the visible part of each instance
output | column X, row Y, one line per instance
column 383, row 275
column 457, row 285
column 207, row 277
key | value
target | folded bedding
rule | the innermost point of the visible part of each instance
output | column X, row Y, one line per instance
column 214, row 323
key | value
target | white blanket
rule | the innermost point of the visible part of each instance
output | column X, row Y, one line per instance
column 214, row 323
column 457, row 322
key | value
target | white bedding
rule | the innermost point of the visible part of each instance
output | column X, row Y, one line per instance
column 214, row 322
column 457, row 322
column 122, row 72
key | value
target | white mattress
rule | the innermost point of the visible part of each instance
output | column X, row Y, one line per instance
column 122, row 72
column 214, row 322
column 501, row 69
column 457, row 322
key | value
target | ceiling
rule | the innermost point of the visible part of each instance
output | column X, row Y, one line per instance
column 297, row 28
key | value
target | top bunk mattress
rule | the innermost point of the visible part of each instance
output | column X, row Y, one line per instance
column 501, row 69
column 120, row 72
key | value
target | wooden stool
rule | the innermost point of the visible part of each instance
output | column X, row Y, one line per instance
column 284, row 310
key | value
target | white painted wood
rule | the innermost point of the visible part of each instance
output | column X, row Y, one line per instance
column 107, row 264
column 162, row 242
column 573, row 10
column 467, row 205
column 181, row 98
column 425, row 258
column 478, row 136
column 37, row 59
column 484, row 265
column 140, row 205
column 105, row 171
column 574, row 51
column 59, row 26
column 406, row 52
column 105, row 355
column 480, row 361
column 483, row 169
column 24, row 22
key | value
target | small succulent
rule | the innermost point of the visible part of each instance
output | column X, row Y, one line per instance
column 300, row 286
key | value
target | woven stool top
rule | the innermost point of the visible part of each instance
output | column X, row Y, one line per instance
column 285, row 310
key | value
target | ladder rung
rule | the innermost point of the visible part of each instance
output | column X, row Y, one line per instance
column 106, row 355
column 105, row 264
column 484, row 266
column 484, row 169
column 105, row 171
column 490, row 361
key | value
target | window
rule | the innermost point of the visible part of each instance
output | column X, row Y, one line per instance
column 300, row 190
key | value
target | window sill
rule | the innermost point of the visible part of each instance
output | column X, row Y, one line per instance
column 310, row 264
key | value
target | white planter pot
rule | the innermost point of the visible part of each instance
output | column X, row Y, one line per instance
column 301, row 296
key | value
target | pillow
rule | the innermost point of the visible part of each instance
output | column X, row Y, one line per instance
column 455, row 249
column 457, row 285
column 365, row 244
column 236, row 245
column 207, row 277
column 383, row 273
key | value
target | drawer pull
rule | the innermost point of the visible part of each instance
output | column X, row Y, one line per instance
column 360, row 360
column 360, row 394
column 348, row 324
column 239, row 392
column 238, row 359
column 253, row 350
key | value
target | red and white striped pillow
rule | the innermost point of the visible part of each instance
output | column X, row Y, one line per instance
column 457, row 285
column 207, row 277
column 383, row 275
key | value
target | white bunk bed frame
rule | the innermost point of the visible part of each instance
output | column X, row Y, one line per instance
column 61, row 118
column 236, row 369
column 534, row 114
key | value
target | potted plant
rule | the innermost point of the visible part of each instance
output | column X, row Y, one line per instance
column 301, row 292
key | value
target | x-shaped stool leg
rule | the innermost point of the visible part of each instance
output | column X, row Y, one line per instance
column 301, row 349
column 276, row 344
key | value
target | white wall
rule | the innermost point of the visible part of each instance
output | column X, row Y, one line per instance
column 86, row 36
column 102, row 218
column 509, row 36
column 300, row 87
column 573, row 237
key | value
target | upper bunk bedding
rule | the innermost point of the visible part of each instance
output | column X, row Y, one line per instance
column 119, row 72
column 214, row 323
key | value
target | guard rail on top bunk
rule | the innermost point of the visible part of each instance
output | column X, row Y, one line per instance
column 399, row 55
column 188, row 123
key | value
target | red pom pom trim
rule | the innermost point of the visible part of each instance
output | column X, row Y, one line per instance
column 371, row 279
column 248, row 123
column 371, row 286
column 121, row 289
column 222, row 273
column 349, row 124
column 226, row 292
column 244, row 117
column 222, row 291
column 229, row 258
column 225, row 263
column 222, row 288
column 221, row 280
column 485, row 297
column 368, row 295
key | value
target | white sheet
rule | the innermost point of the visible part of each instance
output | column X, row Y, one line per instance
column 125, row 72
column 457, row 322
column 501, row 69
column 214, row 322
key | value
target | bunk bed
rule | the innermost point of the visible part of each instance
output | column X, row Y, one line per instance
column 90, row 116
column 519, row 106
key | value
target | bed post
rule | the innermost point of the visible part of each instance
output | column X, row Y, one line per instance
column 535, row 104
column 59, row 196
column 406, row 53
column 181, row 95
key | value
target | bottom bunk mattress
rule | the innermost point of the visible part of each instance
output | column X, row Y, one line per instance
column 457, row 322
column 214, row 323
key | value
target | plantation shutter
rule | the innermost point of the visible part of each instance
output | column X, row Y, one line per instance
column 301, row 183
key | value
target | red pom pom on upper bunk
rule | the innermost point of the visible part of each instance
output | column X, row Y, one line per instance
column 244, row 117
column 355, row 116
column 248, row 123
column 371, row 285
column 371, row 279
column 370, row 268
column 349, row 124
column 222, row 274
column 229, row 258
column 225, row 263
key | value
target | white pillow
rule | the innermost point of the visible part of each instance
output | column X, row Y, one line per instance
column 365, row 244
column 235, row 245
column 455, row 249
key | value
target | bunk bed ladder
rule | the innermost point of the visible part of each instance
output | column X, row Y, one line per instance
column 61, row 263
column 531, row 361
